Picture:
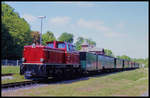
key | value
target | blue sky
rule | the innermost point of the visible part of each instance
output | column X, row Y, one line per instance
column 119, row 26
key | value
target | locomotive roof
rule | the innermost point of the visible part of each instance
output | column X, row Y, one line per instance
column 55, row 41
column 59, row 42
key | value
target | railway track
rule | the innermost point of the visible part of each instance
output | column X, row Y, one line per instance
column 49, row 81
column 17, row 84
column 9, row 74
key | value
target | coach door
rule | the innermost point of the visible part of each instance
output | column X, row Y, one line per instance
column 115, row 62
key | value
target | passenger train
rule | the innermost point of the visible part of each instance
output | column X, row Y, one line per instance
column 61, row 59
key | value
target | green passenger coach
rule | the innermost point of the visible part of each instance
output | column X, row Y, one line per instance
column 88, row 61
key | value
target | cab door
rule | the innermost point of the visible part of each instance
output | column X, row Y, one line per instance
column 68, row 54
column 72, row 56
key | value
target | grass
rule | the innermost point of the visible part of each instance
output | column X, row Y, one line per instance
column 10, row 69
column 16, row 77
column 127, row 83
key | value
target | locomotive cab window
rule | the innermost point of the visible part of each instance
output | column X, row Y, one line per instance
column 61, row 45
column 74, row 48
column 50, row 45
column 71, row 48
column 67, row 47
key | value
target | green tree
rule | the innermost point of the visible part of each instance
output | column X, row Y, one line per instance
column 146, row 62
column 78, row 43
column 48, row 36
column 66, row 37
column 141, row 61
column 36, row 37
column 6, row 42
column 18, row 29
column 91, row 42
column 124, row 57
column 80, row 40
column 108, row 52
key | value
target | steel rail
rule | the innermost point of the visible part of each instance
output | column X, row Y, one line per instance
column 16, row 84
column 8, row 74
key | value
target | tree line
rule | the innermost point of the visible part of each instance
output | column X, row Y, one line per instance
column 16, row 33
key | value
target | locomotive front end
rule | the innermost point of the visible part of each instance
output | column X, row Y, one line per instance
column 33, row 62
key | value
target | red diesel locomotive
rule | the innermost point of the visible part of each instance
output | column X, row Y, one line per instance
column 54, row 59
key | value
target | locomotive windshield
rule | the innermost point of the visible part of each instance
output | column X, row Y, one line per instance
column 61, row 45
column 70, row 48
column 50, row 45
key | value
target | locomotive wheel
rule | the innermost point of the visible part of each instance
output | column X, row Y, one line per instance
column 67, row 74
column 22, row 69
column 59, row 74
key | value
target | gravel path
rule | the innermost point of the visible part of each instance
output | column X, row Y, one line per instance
column 7, row 77
column 145, row 94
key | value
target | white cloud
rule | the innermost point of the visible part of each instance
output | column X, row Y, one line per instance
column 120, row 25
column 82, row 25
column 114, row 34
column 29, row 18
column 99, row 27
column 59, row 21
column 95, row 25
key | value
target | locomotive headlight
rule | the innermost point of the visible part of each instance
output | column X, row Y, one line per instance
column 41, row 59
column 23, row 59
